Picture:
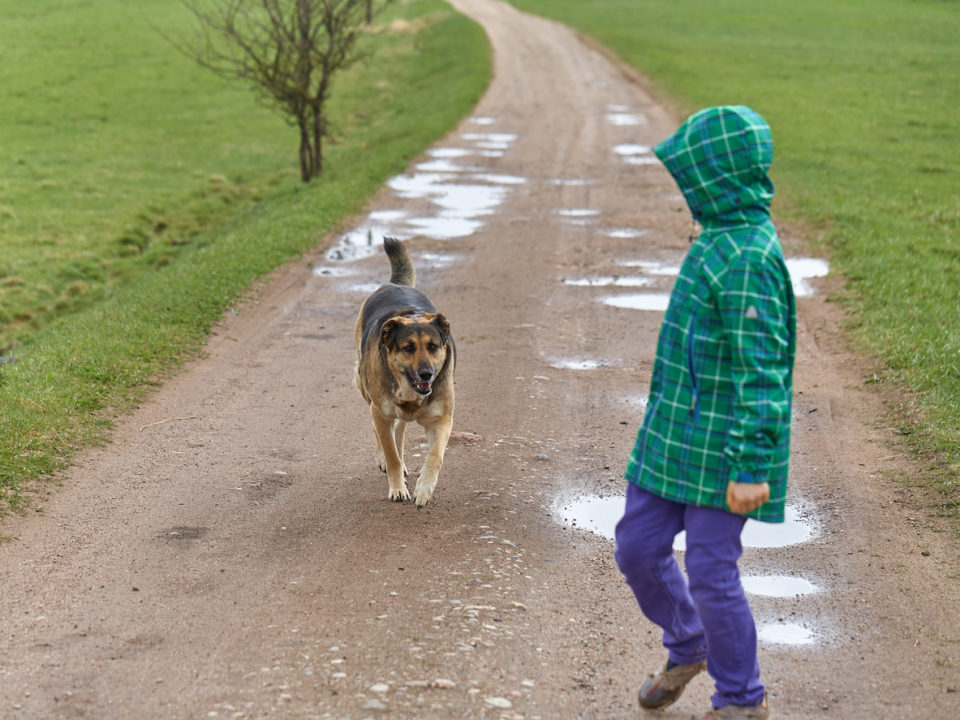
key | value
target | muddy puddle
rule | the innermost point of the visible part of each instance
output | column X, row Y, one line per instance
column 624, row 116
column 458, row 190
column 802, row 270
column 600, row 514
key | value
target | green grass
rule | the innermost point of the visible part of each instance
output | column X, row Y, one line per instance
column 140, row 196
column 862, row 99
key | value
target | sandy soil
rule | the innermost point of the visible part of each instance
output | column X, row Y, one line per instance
column 241, row 560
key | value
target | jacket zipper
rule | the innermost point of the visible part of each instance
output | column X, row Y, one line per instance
column 695, row 405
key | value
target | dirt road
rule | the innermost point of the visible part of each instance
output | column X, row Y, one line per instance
column 241, row 559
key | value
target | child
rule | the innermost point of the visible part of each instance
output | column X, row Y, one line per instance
column 714, row 443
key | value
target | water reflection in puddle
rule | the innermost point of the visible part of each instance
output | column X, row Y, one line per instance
column 460, row 206
column 608, row 281
column 625, row 233
column 361, row 242
column 448, row 153
column 435, row 260
column 778, row 586
column 500, row 179
column 577, row 212
column 601, row 514
column 629, row 149
column 801, row 269
column 652, row 268
column 327, row 271
column 651, row 302
column 443, row 165
column 626, row 119
column 779, row 633
column 577, row 364
column 570, row 182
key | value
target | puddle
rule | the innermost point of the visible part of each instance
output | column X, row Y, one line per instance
column 609, row 281
column 577, row 212
column 631, row 149
column 445, row 228
column 801, row 269
column 461, row 205
column 651, row 302
column 505, row 139
column 362, row 242
column 624, row 233
column 601, row 514
column 443, row 165
column 626, row 119
column 448, row 153
column 577, row 364
column 652, row 268
column 435, row 260
column 778, row 586
column 641, row 160
column 785, row 634
column 326, row 271
column 571, row 182
column 500, row 179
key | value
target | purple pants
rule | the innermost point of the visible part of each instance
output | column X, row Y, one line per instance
column 707, row 618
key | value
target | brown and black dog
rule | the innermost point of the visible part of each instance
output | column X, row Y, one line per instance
column 405, row 362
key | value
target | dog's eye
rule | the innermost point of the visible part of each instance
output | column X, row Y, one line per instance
column 432, row 347
column 409, row 349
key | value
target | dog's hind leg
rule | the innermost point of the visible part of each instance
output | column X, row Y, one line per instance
column 384, row 429
column 437, row 437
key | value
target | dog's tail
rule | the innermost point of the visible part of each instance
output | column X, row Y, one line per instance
column 401, row 265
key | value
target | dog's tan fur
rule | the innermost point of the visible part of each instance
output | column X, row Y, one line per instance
column 405, row 363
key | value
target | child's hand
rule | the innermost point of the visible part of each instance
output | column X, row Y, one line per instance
column 744, row 497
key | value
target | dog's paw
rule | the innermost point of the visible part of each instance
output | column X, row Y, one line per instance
column 423, row 493
column 400, row 494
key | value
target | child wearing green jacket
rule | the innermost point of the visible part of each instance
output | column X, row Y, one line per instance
column 713, row 448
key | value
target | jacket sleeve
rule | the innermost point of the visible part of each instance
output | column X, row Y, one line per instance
column 757, row 309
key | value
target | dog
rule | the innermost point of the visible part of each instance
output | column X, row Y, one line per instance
column 405, row 362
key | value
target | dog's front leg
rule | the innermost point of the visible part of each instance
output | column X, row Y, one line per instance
column 437, row 437
column 383, row 427
column 399, row 433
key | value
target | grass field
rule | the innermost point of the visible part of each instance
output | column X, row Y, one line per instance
column 141, row 195
column 862, row 99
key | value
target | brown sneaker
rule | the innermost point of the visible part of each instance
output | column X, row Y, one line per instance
column 663, row 688
column 739, row 712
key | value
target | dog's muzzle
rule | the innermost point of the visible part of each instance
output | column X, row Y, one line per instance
column 423, row 381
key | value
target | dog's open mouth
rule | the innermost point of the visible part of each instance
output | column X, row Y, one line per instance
column 422, row 388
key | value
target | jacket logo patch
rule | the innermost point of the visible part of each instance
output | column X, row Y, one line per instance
column 751, row 313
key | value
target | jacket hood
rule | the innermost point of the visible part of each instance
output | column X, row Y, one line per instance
column 719, row 158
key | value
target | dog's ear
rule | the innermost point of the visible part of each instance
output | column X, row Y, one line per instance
column 441, row 323
column 389, row 331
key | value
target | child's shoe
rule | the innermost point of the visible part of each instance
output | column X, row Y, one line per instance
column 739, row 712
column 663, row 688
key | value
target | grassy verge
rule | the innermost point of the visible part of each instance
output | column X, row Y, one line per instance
column 862, row 101
column 140, row 196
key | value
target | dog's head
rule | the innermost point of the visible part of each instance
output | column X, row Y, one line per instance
column 416, row 348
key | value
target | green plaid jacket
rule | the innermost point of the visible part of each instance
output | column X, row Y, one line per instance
column 720, row 398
